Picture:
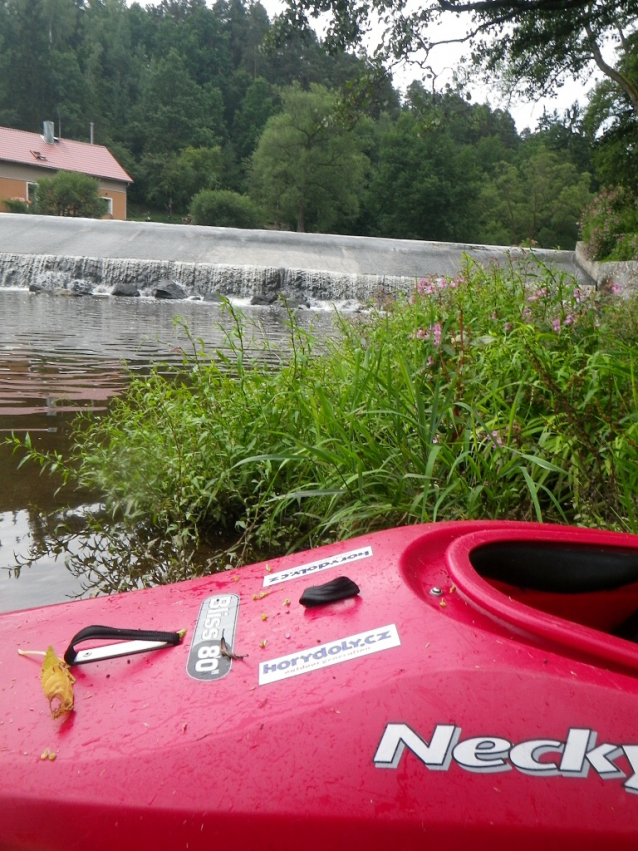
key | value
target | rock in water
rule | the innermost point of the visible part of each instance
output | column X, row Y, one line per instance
column 125, row 289
column 260, row 299
column 169, row 289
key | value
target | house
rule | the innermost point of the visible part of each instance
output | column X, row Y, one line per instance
column 25, row 157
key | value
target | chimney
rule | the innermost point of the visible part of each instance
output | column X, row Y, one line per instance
column 47, row 132
column 91, row 132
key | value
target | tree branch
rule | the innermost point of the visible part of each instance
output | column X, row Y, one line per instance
column 512, row 7
column 627, row 85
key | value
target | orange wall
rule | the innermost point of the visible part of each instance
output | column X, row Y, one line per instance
column 119, row 203
column 16, row 188
column 11, row 188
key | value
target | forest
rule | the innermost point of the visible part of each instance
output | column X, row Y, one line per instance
column 225, row 117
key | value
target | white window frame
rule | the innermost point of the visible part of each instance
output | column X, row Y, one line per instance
column 109, row 204
column 31, row 192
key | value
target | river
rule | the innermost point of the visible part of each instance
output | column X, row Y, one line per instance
column 62, row 355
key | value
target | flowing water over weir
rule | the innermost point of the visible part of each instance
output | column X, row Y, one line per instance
column 107, row 275
column 60, row 356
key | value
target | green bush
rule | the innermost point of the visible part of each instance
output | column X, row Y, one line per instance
column 223, row 208
column 70, row 193
column 610, row 226
column 490, row 395
column 16, row 205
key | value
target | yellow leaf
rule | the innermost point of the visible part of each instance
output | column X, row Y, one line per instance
column 57, row 684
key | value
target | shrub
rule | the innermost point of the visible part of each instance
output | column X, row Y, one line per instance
column 223, row 208
column 70, row 193
column 610, row 226
column 16, row 205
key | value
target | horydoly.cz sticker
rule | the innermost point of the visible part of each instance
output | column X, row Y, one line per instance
column 341, row 650
column 571, row 757
column 217, row 617
column 316, row 566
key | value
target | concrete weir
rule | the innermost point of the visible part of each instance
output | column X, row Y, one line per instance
column 87, row 256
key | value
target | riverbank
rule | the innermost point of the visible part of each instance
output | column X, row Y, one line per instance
column 481, row 396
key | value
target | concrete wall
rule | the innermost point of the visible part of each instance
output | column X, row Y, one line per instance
column 231, row 246
column 622, row 273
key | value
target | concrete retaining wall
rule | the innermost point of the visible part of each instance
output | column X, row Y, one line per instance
column 605, row 275
column 37, row 235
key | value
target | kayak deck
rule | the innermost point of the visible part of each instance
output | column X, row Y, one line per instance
column 448, row 701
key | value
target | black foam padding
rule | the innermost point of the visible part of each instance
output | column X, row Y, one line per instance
column 319, row 595
column 558, row 568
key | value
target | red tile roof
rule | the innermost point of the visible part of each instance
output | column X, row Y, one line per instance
column 18, row 146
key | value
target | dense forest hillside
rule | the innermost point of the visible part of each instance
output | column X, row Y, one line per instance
column 221, row 121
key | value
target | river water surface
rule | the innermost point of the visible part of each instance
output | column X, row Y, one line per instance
column 62, row 355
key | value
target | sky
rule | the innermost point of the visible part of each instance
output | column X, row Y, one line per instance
column 445, row 58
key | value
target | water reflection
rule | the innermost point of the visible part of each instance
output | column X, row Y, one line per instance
column 59, row 356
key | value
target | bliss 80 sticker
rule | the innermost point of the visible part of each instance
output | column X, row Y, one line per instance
column 217, row 617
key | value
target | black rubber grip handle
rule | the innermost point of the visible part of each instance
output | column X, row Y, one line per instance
column 105, row 632
column 338, row 589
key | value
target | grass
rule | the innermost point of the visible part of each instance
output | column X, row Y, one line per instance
column 496, row 394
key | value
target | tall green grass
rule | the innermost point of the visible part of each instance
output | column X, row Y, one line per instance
column 496, row 394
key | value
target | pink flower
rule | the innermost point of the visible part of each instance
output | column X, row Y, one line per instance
column 436, row 331
column 616, row 289
column 494, row 316
column 526, row 313
column 556, row 325
column 508, row 326
column 424, row 287
column 496, row 438
column 569, row 319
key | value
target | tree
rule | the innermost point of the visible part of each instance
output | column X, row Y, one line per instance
column 539, row 199
column 260, row 102
column 425, row 185
column 70, row 193
column 612, row 124
column 170, row 180
column 173, row 111
column 308, row 169
column 540, row 42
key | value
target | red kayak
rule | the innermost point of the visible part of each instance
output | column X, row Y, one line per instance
column 430, row 686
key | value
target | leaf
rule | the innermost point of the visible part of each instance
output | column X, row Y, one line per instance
column 57, row 684
column 485, row 340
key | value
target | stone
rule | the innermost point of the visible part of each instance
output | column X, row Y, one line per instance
column 294, row 302
column 169, row 289
column 81, row 287
column 264, row 300
column 126, row 289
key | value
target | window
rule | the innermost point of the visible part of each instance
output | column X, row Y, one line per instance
column 32, row 194
column 109, row 205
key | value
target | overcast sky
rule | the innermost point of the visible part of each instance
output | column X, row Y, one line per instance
column 444, row 59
